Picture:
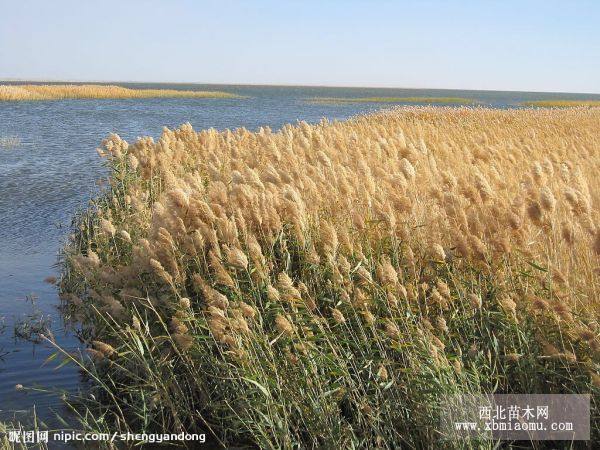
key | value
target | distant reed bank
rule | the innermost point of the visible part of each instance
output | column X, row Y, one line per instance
column 425, row 100
column 93, row 91
column 563, row 103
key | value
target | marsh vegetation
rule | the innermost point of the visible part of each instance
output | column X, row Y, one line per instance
column 563, row 103
column 424, row 100
column 26, row 92
column 325, row 286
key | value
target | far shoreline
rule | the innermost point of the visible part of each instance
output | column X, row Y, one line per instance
column 13, row 81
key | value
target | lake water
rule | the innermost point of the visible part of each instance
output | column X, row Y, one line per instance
column 52, row 174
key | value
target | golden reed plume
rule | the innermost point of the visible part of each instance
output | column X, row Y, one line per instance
column 416, row 251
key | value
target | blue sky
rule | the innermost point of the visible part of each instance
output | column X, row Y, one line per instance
column 514, row 45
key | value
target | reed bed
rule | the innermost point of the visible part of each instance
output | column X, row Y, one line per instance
column 95, row 91
column 563, row 103
column 325, row 286
column 425, row 100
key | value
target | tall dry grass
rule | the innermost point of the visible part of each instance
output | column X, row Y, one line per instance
column 325, row 286
column 95, row 91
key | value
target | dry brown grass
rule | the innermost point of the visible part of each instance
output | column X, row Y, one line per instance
column 94, row 91
column 386, row 260
column 483, row 182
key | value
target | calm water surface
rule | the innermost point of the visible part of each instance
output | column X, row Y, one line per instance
column 52, row 174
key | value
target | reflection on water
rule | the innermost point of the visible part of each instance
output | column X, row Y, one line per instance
column 51, row 171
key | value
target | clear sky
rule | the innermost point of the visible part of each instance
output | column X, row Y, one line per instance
column 540, row 45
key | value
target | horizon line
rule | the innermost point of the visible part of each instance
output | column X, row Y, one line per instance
column 349, row 86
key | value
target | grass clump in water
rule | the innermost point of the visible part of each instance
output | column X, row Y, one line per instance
column 9, row 142
column 326, row 286
column 96, row 91
column 425, row 100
